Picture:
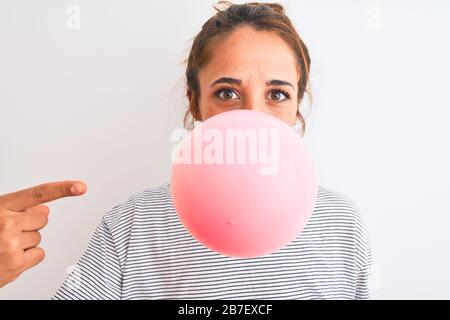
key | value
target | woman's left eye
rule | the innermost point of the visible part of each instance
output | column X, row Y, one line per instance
column 276, row 93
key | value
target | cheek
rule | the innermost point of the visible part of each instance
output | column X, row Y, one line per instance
column 209, row 106
column 205, row 107
column 287, row 116
column 286, row 113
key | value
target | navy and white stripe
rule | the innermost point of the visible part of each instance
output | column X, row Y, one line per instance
column 141, row 250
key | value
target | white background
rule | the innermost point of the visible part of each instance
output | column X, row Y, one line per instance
column 98, row 103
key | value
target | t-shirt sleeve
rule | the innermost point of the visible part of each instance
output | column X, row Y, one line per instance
column 363, row 261
column 97, row 274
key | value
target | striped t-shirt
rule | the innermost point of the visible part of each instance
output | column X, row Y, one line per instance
column 141, row 250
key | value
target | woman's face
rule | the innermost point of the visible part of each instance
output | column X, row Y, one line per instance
column 253, row 70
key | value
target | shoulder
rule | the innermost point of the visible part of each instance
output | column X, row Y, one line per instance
column 147, row 201
column 333, row 203
column 337, row 216
column 133, row 217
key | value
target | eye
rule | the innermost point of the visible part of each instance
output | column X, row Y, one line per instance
column 227, row 93
column 277, row 93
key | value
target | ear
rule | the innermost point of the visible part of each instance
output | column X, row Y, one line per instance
column 189, row 94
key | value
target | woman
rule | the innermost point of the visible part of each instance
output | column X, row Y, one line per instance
column 246, row 56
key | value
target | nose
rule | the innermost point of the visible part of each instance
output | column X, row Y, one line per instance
column 254, row 103
column 254, row 107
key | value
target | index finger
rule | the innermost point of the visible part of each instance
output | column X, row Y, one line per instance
column 23, row 199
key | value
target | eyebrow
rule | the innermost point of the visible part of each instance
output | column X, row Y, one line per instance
column 239, row 82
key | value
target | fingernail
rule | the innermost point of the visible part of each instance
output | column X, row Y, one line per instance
column 74, row 189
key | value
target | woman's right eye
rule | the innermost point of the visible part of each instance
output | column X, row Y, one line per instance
column 225, row 94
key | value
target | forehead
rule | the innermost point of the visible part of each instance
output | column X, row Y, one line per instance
column 248, row 54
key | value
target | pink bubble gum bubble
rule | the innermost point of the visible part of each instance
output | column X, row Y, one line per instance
column 244, row 184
